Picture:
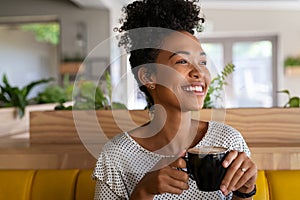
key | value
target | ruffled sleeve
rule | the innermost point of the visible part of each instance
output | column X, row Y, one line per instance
column 108, row 172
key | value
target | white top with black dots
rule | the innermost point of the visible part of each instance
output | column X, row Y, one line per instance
column 123, row 162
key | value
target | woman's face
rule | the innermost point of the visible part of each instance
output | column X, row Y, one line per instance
column 182, row 79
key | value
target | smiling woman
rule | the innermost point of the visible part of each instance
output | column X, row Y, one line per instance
column 169, row 65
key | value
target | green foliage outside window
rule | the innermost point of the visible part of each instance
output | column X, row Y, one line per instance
column 46, row 32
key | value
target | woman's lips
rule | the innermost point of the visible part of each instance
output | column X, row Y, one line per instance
column 197, row 89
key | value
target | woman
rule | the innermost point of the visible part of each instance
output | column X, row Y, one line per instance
column 170, row 67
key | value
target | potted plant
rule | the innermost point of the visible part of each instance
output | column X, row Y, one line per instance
column 15, row 107
column 88, row 99
column 292, row 65
column 17, row 97
column 216, row 86
column 293, row 101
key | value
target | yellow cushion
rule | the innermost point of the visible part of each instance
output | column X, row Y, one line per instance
column 85, row 186
column 284, row 184
column 54, row 185
column 262, row 191
column 15, row 184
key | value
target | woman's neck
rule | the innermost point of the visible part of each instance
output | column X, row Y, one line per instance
column 170, row 131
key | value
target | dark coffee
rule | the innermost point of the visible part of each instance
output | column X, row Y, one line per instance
column 205, row 166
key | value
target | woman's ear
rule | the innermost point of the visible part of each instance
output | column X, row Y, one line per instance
column 146, row 78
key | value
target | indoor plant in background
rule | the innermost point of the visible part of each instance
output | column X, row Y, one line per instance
column 15, row 106
column 293, row 101
column 216, row 87
column 89, row 99
column 17, row 97
column 88, row 95
column 58, row 94
column 292, row 65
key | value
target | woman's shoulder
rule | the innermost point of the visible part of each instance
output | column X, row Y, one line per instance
column 219, row 127
column 118, row 142
column 225, row 135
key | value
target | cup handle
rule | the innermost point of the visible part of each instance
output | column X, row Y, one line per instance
column 187, row 169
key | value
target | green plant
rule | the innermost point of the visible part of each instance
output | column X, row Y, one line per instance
column 55, row 93
column 292, row 61
column 216, row 86
column 88, row 95
column 17, row 97
column 293, row 102
column 47, row 32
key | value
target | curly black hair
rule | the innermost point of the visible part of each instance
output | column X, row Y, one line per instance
column 147, row 22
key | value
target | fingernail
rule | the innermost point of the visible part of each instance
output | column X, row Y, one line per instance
column 223, row 188
column 225, row 163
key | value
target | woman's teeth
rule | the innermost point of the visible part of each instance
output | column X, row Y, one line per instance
column 193, row 88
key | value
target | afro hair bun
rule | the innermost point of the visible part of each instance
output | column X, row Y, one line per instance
column 178, row 15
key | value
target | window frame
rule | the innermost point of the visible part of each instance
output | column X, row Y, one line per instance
column 227, row 42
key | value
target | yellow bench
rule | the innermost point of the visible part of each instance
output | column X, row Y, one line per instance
column 77, row 184
column 46, row 185
column 278, row 185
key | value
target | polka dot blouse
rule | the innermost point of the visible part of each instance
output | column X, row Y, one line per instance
column 123, row 162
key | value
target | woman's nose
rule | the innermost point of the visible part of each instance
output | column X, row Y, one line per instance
column 196, row 73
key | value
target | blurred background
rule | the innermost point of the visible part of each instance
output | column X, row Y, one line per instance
column 37, row 37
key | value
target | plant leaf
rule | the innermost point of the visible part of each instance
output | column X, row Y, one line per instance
column 29, row 87
column 284, row 91
column 294, row 102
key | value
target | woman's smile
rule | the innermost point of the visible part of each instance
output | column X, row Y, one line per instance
column 195, row 88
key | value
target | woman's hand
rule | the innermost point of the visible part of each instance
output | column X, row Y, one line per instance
column 165, row 180
column 241, row 174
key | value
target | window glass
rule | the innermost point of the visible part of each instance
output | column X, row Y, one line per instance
column 251, row 84
column 215, row 57
column 252, row 80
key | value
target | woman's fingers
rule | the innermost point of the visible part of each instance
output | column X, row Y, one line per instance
column 179, row 163
column 240, row 176
column 171, row 180
column 248, row 179
column 241, row 171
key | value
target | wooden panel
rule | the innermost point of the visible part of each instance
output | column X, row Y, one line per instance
column 91, row 126
column 47, row 156
column 273, row 134
column 259, row 126
column 12, row 125
column 267, row 127
column 273, row 158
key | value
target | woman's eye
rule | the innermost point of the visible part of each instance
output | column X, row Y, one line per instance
column 202, row 63
column 181, row 62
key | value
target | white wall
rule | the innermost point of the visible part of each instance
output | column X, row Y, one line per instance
column 23, row 59
column 97, row 20
column 69, row 15
column 285, row 23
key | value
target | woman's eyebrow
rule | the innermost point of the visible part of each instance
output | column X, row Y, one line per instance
column 186, row 53
column 179, row 52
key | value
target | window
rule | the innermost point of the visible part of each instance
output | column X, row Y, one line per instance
column 253, row 83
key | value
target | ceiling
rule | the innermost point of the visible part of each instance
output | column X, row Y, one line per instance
column 212, row 4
